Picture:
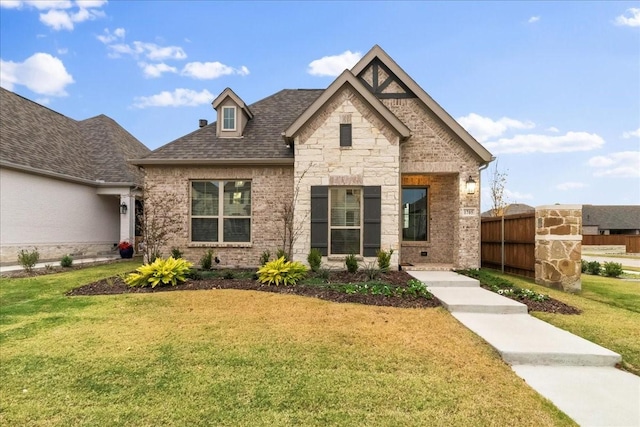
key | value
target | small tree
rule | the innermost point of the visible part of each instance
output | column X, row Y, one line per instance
column 161, row 220
column 497, row 186
column 291, row 228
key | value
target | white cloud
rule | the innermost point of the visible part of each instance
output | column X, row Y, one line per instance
column 631, row 134
column 483, row 128
column 38, row 4
column 63, row 51
column 533, row 19
column 211, row 70
column 516, row 195
column 88, row 4
column 108, row 37
column 156, row 70
column 623, row 164
column 151, row 51
column 553, row 129
column 58, row 15
column 43, row 101
column 177, row 98
column 533, row 143
column 333, row 65
column 57, row 19
column 41, row 73
column 565, row 186
column 631, row 21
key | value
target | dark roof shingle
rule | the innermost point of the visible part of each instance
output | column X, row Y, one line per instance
column 612, row 217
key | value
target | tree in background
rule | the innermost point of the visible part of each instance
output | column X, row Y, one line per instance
column 497, row 185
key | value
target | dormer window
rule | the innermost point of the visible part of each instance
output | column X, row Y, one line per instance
column 228, row 118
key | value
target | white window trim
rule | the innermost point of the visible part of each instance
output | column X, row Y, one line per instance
column 221, row 216
column 235, row 119
column 345, row 227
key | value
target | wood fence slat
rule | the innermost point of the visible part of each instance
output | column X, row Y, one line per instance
column 519, row 243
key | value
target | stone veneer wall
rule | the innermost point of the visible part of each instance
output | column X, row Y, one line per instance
column 271, row 188
column 559, row 246
column 435, row 151
column 373, row 159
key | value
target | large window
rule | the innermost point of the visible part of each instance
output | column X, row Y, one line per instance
column 345, row 221
column 228, row 118
column 414, row 214
column 221, row 211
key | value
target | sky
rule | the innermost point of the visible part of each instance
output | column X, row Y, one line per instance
column 551, row 89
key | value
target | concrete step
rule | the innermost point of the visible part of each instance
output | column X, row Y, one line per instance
column 524, row 340
column 476, row 300
column 592, row 396
column 444, row 279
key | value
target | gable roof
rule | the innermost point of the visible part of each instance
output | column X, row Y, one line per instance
column 611, row 217
column 348, row 79
column 377, row 52
column 511, row 209
column 261, row 141
column 228, row 93
column 37, row 139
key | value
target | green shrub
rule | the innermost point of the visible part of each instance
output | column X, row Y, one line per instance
column 583, row 266
column 228, row 274
column 206, row 262
column 352, row 263
column 594, row 268
column 384, row 260
column 612, row 269
column 281, row 271
column 28, row 259
column 66, row 261
column 282, row 253
column 264, row 258
column 176, row 253
column 503, row 286
column 314, row 259
column 324, row 274
column 371, row 270
column 170, row 271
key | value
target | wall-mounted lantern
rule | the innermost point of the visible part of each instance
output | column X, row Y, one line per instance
column 471, row 185
column 123, row 208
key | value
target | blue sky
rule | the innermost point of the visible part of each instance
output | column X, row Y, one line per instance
column 552, row 89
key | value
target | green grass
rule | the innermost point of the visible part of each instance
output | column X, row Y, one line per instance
column 241, row 358
column 610, row 314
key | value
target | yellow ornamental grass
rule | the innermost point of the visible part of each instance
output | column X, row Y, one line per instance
column 281, row 271
column 161, row 271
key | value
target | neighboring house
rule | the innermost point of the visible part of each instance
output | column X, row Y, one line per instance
column 511, row 209
column 610, row 219
column 63, row 183
column 371, row 162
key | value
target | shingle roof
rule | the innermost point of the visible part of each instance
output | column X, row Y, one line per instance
column 612, row 217
column 93, row 149
column 262, row 136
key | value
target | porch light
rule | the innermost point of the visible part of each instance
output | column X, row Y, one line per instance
column 471, row 185
column 123, row 208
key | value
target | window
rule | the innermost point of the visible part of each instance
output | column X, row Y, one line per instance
column 414, row 214
column 345, row 135
column 345, row 222
column 221, row 211
column 228, row 118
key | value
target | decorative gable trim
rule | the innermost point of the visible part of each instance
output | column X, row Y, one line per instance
column 347, row 78
column 377, row 53
column 231, row 94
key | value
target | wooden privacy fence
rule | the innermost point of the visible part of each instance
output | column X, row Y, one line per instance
column 632, row 242
column 518, row 244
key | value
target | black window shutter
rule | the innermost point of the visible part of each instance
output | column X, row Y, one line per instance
column 345, row 135
column 320, row 218
column 372, row 215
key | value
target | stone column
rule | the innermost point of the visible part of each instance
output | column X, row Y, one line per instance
column 558, row 247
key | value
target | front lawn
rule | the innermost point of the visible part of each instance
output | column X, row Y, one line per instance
column 229, row 358
column 610, row 314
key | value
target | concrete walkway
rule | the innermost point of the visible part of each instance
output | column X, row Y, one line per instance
column 577, row 375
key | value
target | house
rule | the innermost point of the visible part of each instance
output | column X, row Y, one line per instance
column 606, row 220
column 64, row 184
column 370, row 163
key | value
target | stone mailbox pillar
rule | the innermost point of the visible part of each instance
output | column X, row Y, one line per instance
column 558, row 248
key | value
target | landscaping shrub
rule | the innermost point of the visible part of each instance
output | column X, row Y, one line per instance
column 206, row 262
column 414, row 288
column 314, row 259
column 352, row 263
column 66, row 261
column 176, row 253
column 281, row 271
column 384, row 259
column 594, row 268
column 170, row 271
column 503, row 286
column 583, row 266
column 228, row 274
column 371, row 270
column 264, row 258
column 28, row 259
column 612, row 269
column 282, row 253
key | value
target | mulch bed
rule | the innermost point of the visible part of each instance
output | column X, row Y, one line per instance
column 115, row 285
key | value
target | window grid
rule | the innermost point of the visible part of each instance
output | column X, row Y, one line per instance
column 345, row 221
column 228, row 118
